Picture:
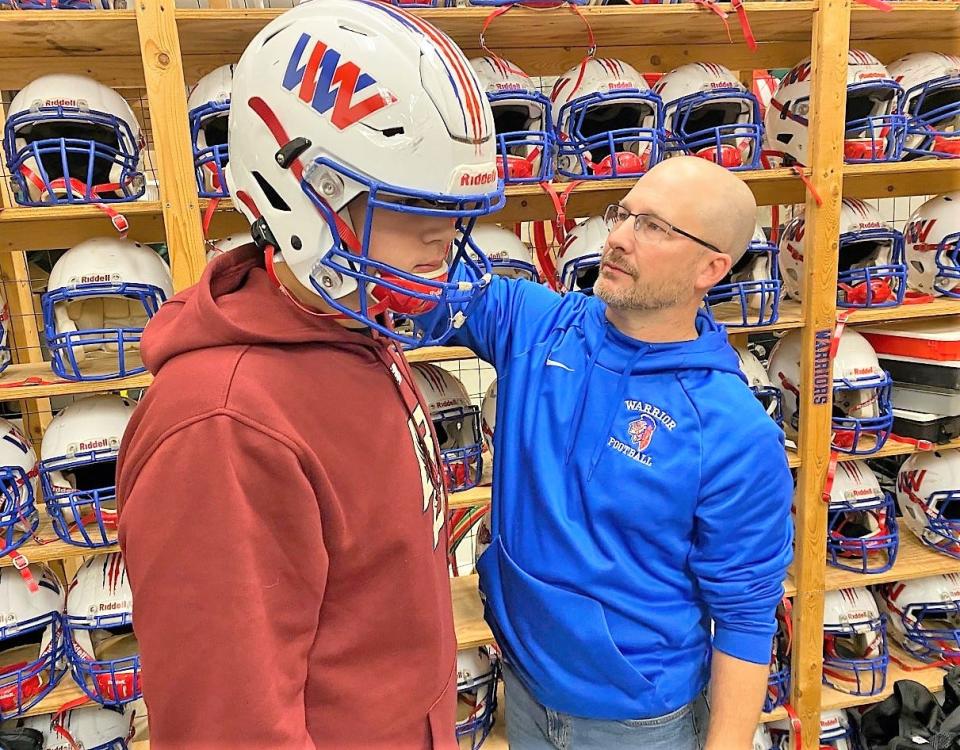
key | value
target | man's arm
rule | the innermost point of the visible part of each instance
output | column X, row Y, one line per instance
column 737, row 690
column 220, row 531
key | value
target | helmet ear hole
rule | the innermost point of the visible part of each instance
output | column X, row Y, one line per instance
column 272, row 195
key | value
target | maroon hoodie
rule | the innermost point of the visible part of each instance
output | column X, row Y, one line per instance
column 287, row 559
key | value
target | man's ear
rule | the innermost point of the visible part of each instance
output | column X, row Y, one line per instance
column 713, row 268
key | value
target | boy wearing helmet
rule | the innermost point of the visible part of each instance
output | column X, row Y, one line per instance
column 282, row 505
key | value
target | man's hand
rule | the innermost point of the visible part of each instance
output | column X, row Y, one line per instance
column 737, row 689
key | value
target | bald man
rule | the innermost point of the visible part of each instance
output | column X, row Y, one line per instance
column 641, row 524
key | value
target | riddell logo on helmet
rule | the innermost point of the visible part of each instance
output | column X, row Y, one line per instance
column 96, row 278
column 111, row 606
column 64, row 103
column 508, row 87
column 93, row 445
column 618, row 85
column 478, row 180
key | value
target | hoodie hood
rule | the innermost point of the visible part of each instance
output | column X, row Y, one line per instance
column 235, row 303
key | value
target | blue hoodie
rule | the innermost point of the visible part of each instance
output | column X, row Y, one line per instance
column 639, row 492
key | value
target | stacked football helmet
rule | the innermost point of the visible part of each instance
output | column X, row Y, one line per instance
column 862, row 412
column 225, row 245
column 932, row 242
column 610, row 125
column 752, row 287
column 488, row 415
column 508, row 255
column 419, row 139
column 523, row 121
column 31, row 638
column 99, row 297
column 928, row 492
column 836, row 733
column 855, row 654
column 874, row 129
column 456, row 422
column 98, row 728
column 70, row 139
column 931, row 103
column 578, row 260
column 871, row 269
column 101, row 647
column 767, row 394
column 209, row 112
column 78, row 461
column 478, row 676
column 862, row 533
column 924, row 616
column 709, row 113
column 18, row 488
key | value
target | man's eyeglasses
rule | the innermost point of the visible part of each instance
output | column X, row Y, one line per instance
column 648, row 227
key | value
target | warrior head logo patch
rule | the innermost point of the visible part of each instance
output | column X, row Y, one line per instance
column 641, row 431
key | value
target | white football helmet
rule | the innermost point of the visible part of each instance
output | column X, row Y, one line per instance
column 871, row 270
column 928, row 491
column 578, row 260
column 78, row 463
column 862, row 532
column 415, row 136
column 932, row 242
column 874, row 129
column 225, row 245
column 507, row 253
column 31, row 639
column 100, row 295
column 69, row 139
column 99, row 728
column 924, row 616
column 766, row 392
column 18, row 488
column 101, row 646
column 209, row 112
column 609, row 126
column 836, row 732
column 488, row 415
column 457, row 424
column 761, row 738
column 478, row 677
column 752, row 287
column 523, row 120
column 709, row 113
column 863, row 415
column 931, row 103
column 855, row 654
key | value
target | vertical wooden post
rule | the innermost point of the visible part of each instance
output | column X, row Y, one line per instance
column 167, row 97
column 831, row 38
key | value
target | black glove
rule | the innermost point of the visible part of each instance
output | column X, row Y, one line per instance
column 21, row 739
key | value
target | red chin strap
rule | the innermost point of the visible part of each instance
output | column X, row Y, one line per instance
column 729, row 155
column 404, row 304
column 867, row 148
column 876, row 291
column 517, row 167
column 118, row 220
column 118, row 687
column 946, row 145
column 30, row 685
column 627, row 164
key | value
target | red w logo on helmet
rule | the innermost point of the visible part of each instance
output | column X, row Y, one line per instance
column 326, row 82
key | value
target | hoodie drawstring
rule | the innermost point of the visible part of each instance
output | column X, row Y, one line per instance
column 614, row 407
column 582, row 399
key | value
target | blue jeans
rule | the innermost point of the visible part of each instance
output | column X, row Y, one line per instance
column 531, row 726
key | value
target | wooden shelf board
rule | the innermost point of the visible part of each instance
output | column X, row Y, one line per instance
column 66, row 690
column 938, row 307
column 470, row 498
column 53, row 386
column 913, row 561
column 901, row 178
column 909, row 19
column 894, row 448
column 55, row 550
column 439, row 354
column 42, row 34
column 471, row 628
column 51, row 227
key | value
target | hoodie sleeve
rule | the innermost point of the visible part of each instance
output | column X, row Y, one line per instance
column 494, row 322
column 227, row 578
column 744, row 531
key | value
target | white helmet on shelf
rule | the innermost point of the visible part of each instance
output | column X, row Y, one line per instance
column 78, row 462
column 931, row 103
column 874, row 129
column 209, row 112
column 507, row 253
column 70, row 139
column 871, row 271
column 414, row 136
column 608, row 126
column 578, row 260
column 766, row 392
column 18, row 488
column 709, row 113
column 101, row 646
column 752, row 286
column 100, row 295
column 523, row 120
column 863, row 415
column 457, row 424
column 855, row 654
column 924, row 616
column 478, row 678
column 862, row 531
column 836, row 732
column 99, row 728
column 932, row 242
column 928, row 492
